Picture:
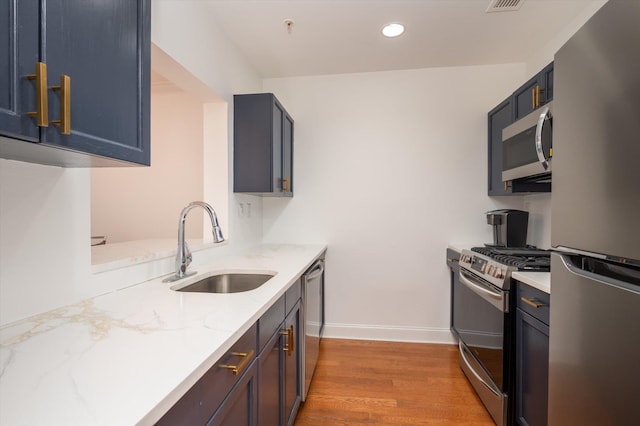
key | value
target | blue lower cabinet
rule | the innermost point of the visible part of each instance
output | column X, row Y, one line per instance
column 291, row 364
column 245, row 389
column 280, row 393
column 240, row 408
column 532, row 357
column 269, row 395
column 226, row 393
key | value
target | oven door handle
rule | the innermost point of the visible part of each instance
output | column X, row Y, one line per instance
column 497, row 299
column 544, row 116
column 470, row 367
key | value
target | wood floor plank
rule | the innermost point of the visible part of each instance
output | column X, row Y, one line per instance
column 360, row 382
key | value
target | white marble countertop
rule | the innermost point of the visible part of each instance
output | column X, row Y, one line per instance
column 126, row 357
column 463, row 246
column 539, row 280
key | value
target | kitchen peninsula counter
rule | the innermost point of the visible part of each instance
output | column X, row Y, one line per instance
column 126, row 357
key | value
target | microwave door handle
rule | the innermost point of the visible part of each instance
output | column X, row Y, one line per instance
column 543, row 117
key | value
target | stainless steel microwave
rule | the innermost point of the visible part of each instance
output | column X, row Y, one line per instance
column 527, row 148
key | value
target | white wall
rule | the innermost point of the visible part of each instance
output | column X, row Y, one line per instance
column 390, row 167
column 139, row 203
column 45, row 259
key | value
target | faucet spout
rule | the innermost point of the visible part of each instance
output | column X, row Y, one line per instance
column 183, row 256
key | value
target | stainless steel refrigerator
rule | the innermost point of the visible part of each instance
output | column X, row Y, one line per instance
column 594, row 353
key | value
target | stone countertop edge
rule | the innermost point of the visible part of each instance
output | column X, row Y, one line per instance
column 458, row 247
column 128, row 356
column 539, row 280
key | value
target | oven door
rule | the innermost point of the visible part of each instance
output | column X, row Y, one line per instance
column 480, row 315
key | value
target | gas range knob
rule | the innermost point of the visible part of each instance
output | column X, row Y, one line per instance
column 498, row 273
column 491, row 270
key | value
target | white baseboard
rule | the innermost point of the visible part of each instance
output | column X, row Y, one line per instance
column 389, row 333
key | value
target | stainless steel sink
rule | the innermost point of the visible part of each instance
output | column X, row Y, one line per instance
column 227, row 283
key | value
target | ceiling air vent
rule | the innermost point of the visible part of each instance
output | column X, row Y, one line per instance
column 504, row 5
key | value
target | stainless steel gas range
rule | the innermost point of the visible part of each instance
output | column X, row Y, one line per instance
column 481, row 319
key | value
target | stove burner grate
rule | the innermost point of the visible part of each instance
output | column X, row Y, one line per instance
column 524, row 259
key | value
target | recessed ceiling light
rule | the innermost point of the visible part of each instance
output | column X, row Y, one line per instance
column 393, row 30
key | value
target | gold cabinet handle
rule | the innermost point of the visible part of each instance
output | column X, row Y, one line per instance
column 289, row 347
column 41, row 113
column 535, row 96
column 285, row 184
column 532, row 302
column 237, row 369
column 65, row 105
column 292, row 343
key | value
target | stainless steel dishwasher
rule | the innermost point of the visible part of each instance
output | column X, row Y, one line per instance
column 312, row 323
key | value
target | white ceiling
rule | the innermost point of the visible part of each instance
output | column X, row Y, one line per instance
column 343, row 36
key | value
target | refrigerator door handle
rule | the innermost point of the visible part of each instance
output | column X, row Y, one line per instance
column 544, row 116
column 620, row 278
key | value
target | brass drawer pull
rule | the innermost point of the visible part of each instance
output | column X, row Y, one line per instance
column 42, row 113
column 65, row 105
column 533, row 302
column 237, row 369
column 285, row 184
column 290, row 347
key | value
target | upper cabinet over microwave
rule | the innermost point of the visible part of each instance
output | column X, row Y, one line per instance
column 75, row 82
column 532, row 95
column 262, row 146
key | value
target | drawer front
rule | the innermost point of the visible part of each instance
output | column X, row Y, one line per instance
column 292, row 296
column 220, row 379
column 270, row 322
column 453, row 257
column 186, row 411
column 534, row 302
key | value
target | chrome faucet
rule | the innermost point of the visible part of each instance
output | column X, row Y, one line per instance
column 183, row 257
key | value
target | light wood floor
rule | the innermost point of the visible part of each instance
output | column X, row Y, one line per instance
column 386, row 383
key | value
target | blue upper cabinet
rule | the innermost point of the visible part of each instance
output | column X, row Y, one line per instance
column 531, row 95
column 534, row 93
column 263, row 146
column 77, row 75
column 19, row 45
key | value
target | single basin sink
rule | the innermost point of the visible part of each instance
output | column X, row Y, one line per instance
column 227, row 283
